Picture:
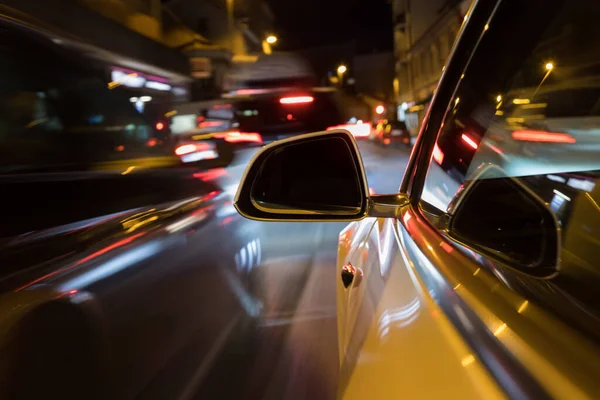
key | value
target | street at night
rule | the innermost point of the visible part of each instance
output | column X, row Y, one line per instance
column 299, row 199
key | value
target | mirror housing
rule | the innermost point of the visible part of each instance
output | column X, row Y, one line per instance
column 498, row 216
column 313, row 177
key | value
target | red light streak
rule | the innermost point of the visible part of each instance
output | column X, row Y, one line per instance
column 238, row 137
column 543, row 136
column 98, row 253
column 210, row 175
column 469, row 141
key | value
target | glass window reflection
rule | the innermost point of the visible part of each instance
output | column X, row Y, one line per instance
column 530, row 104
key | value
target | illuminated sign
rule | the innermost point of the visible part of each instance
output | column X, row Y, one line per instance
column 158, row 86
column 135, row 80
column 125, row 79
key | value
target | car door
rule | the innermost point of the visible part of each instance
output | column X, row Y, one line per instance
column 467, row 317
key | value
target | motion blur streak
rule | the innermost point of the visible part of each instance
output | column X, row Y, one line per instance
column 98, row 253
column 297, row 100
column 114, row 265
column 469, row 141
column 543, row 136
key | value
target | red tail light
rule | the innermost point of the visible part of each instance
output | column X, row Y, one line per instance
column 241, row 137
column 191, row 148
column 543, row 136
column 160, row 126
column 469, row 141
column 297, row 100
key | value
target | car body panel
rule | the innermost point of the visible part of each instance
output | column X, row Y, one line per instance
column 399, row 338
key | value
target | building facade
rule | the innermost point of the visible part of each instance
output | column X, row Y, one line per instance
column 424, row 33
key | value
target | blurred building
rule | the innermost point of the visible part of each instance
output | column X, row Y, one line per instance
column 214, row 34
column 373, row 75
column 424, row 32
column 179, row 49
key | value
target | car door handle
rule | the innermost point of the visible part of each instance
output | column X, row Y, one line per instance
column 350, row 273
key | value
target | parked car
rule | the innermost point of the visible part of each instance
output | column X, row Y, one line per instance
column 478, row 279
column 111, row 249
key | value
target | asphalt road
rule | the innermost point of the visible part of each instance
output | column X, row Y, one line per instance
column 284, row 343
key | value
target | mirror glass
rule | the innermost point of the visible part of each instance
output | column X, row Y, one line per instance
column 312, row 176
column 499, row 216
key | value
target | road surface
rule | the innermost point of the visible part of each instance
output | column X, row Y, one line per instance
column 284, row 343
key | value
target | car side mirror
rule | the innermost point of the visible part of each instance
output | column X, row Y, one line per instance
column 313, row 177
column 498, row 216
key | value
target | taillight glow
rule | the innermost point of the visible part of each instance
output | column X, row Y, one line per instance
column 185, row 149
column 543, row 136
column 241, row 137
column 297, row 100
column 469, row 141
column 191, row 148
column 160, row 126
column 438, row 155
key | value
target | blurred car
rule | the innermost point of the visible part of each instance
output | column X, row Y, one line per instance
column 391, row 133
column 252, row 117
column 279, row 113
column 478, row 279
column 111, row 249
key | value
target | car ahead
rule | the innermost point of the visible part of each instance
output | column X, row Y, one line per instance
column 252, row 117
column 111, row 249
column 478, row 279
column 392, row 133
column 277, row 113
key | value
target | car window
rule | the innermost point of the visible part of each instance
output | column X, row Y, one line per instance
column 55, row 113
column 529, row 105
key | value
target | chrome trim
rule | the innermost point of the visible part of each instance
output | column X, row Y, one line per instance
column 386, row 206
column 276, row 209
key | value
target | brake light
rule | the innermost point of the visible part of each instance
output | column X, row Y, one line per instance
column 240, row 137
column 469, row 141
column 542, row 136
column 297, row 100
column 191, row 148
column 160, row 126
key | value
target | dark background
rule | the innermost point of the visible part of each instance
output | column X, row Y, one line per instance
column 313, row 23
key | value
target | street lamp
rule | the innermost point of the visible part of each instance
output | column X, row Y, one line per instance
column 271, row 39
column 341, row 70
column 549, row 68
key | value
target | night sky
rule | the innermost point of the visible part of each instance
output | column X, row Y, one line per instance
column 302, row 24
